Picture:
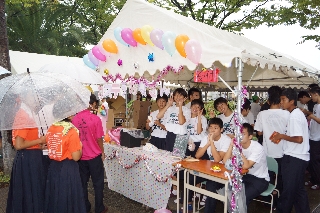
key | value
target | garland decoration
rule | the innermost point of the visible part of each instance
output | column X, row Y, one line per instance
column 115, row 154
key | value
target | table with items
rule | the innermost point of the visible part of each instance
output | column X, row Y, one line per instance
column 140, row 175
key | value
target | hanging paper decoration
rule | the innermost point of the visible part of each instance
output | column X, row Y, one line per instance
column 100, row 92
column 142, row 89
column 124, row 89
column 133, row 88
column 106, row 71
column 150, row 57
column 119, row 62
column 136, row 65
column 115, row 90
column 165, row 90
column 107, row 90
column 206, row 75
column 153, row 92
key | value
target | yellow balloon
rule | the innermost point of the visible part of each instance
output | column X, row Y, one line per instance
column 106, row 71
column 145, row 33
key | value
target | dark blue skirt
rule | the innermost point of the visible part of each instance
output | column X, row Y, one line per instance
column 27, row 183
column 64, row 192
column 158, row 142
column 170, row 139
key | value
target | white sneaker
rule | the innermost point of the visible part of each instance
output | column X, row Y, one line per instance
column 203, row 201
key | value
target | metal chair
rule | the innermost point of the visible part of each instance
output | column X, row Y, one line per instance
column 273, row 167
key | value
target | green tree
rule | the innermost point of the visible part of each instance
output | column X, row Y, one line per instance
column 44, row 28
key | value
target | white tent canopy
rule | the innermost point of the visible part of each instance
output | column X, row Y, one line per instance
column 219, row 48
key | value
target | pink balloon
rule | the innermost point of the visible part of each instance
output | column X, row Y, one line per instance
column 193, row 50
column 162, row 211
column 156, row 37
column 126, row 35
column 98, row 54
column 92, row 58
column 115, row 135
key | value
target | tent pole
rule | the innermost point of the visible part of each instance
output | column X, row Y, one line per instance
column 240, row 70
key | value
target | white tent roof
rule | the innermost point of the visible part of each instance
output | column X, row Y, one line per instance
column 20, row 61
column 219, row 48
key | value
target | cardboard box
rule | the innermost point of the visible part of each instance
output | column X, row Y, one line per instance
column 110, row 122
column 119, row 102
column 140, row 113
column 154, row 106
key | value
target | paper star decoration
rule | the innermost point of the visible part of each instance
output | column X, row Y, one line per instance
column 119, row 62
column 150, row 57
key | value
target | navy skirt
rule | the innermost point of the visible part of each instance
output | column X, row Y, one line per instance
column 158, row 142
column 64, row 192
column 170, row 140
column 27, row 183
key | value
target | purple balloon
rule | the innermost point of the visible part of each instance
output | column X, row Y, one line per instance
column 156, row 37
column 126, row 35
column 98, row 54
column 193, row 50
column 92, row 58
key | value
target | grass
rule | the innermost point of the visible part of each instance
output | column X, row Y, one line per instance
column 4, row 179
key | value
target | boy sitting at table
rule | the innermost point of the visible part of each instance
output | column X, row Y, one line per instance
column 216, row 145
column 254, row 159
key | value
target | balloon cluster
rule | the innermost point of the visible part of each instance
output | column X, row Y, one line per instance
column 168, row 41
column 149, row 84
column 236, row 152
column 115, row 154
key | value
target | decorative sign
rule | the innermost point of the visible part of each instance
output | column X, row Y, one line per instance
column 206, row 75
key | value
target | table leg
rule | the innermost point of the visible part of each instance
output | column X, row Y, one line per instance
column 178, row 190
column 225, row 197
column 185, row 190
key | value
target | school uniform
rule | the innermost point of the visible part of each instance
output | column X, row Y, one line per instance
column 257, row 179
column 175, row 131
column 228, row 123
column 64, row 193
column 27, row 183
column 91, row 164
column 222, row 145
column 267, row 122
column 194, row 136
column 314, row 164
column 294, row 164
column 158, row 135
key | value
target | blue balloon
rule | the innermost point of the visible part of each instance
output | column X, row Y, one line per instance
column 87, row 62
column 168, row 42
column 117, row 35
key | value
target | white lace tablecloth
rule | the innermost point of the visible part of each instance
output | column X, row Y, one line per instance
column 137, row 183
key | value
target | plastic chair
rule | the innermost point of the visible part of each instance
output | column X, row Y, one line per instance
column 273, row 167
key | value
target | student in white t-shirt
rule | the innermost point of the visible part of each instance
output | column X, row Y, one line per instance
column 227, row 116
column 314, row 141
column 254, row 159
column 255, row 106
column 196, row 127
column 268, row 122
column 296, row 156
column 245, row 112
column 215, row 145
column 176, row 117
column 193, row 94
column 159, row 133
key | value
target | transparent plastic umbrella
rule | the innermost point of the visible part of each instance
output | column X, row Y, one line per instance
column 3, row 71
column 37, row 99
column 77, row 71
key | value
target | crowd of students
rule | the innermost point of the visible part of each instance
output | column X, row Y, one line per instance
column 75, row 147
column 213, row 140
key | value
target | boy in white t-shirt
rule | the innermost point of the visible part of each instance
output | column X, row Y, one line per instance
column 197, row 127
column 227, row 116
column 193, row 94
column 176, row 118
column 268, row 122
column 215, row 145
column 296, row 156
column 254, row 159
column 314, row 141
column 159, row 133
column 246, row 113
